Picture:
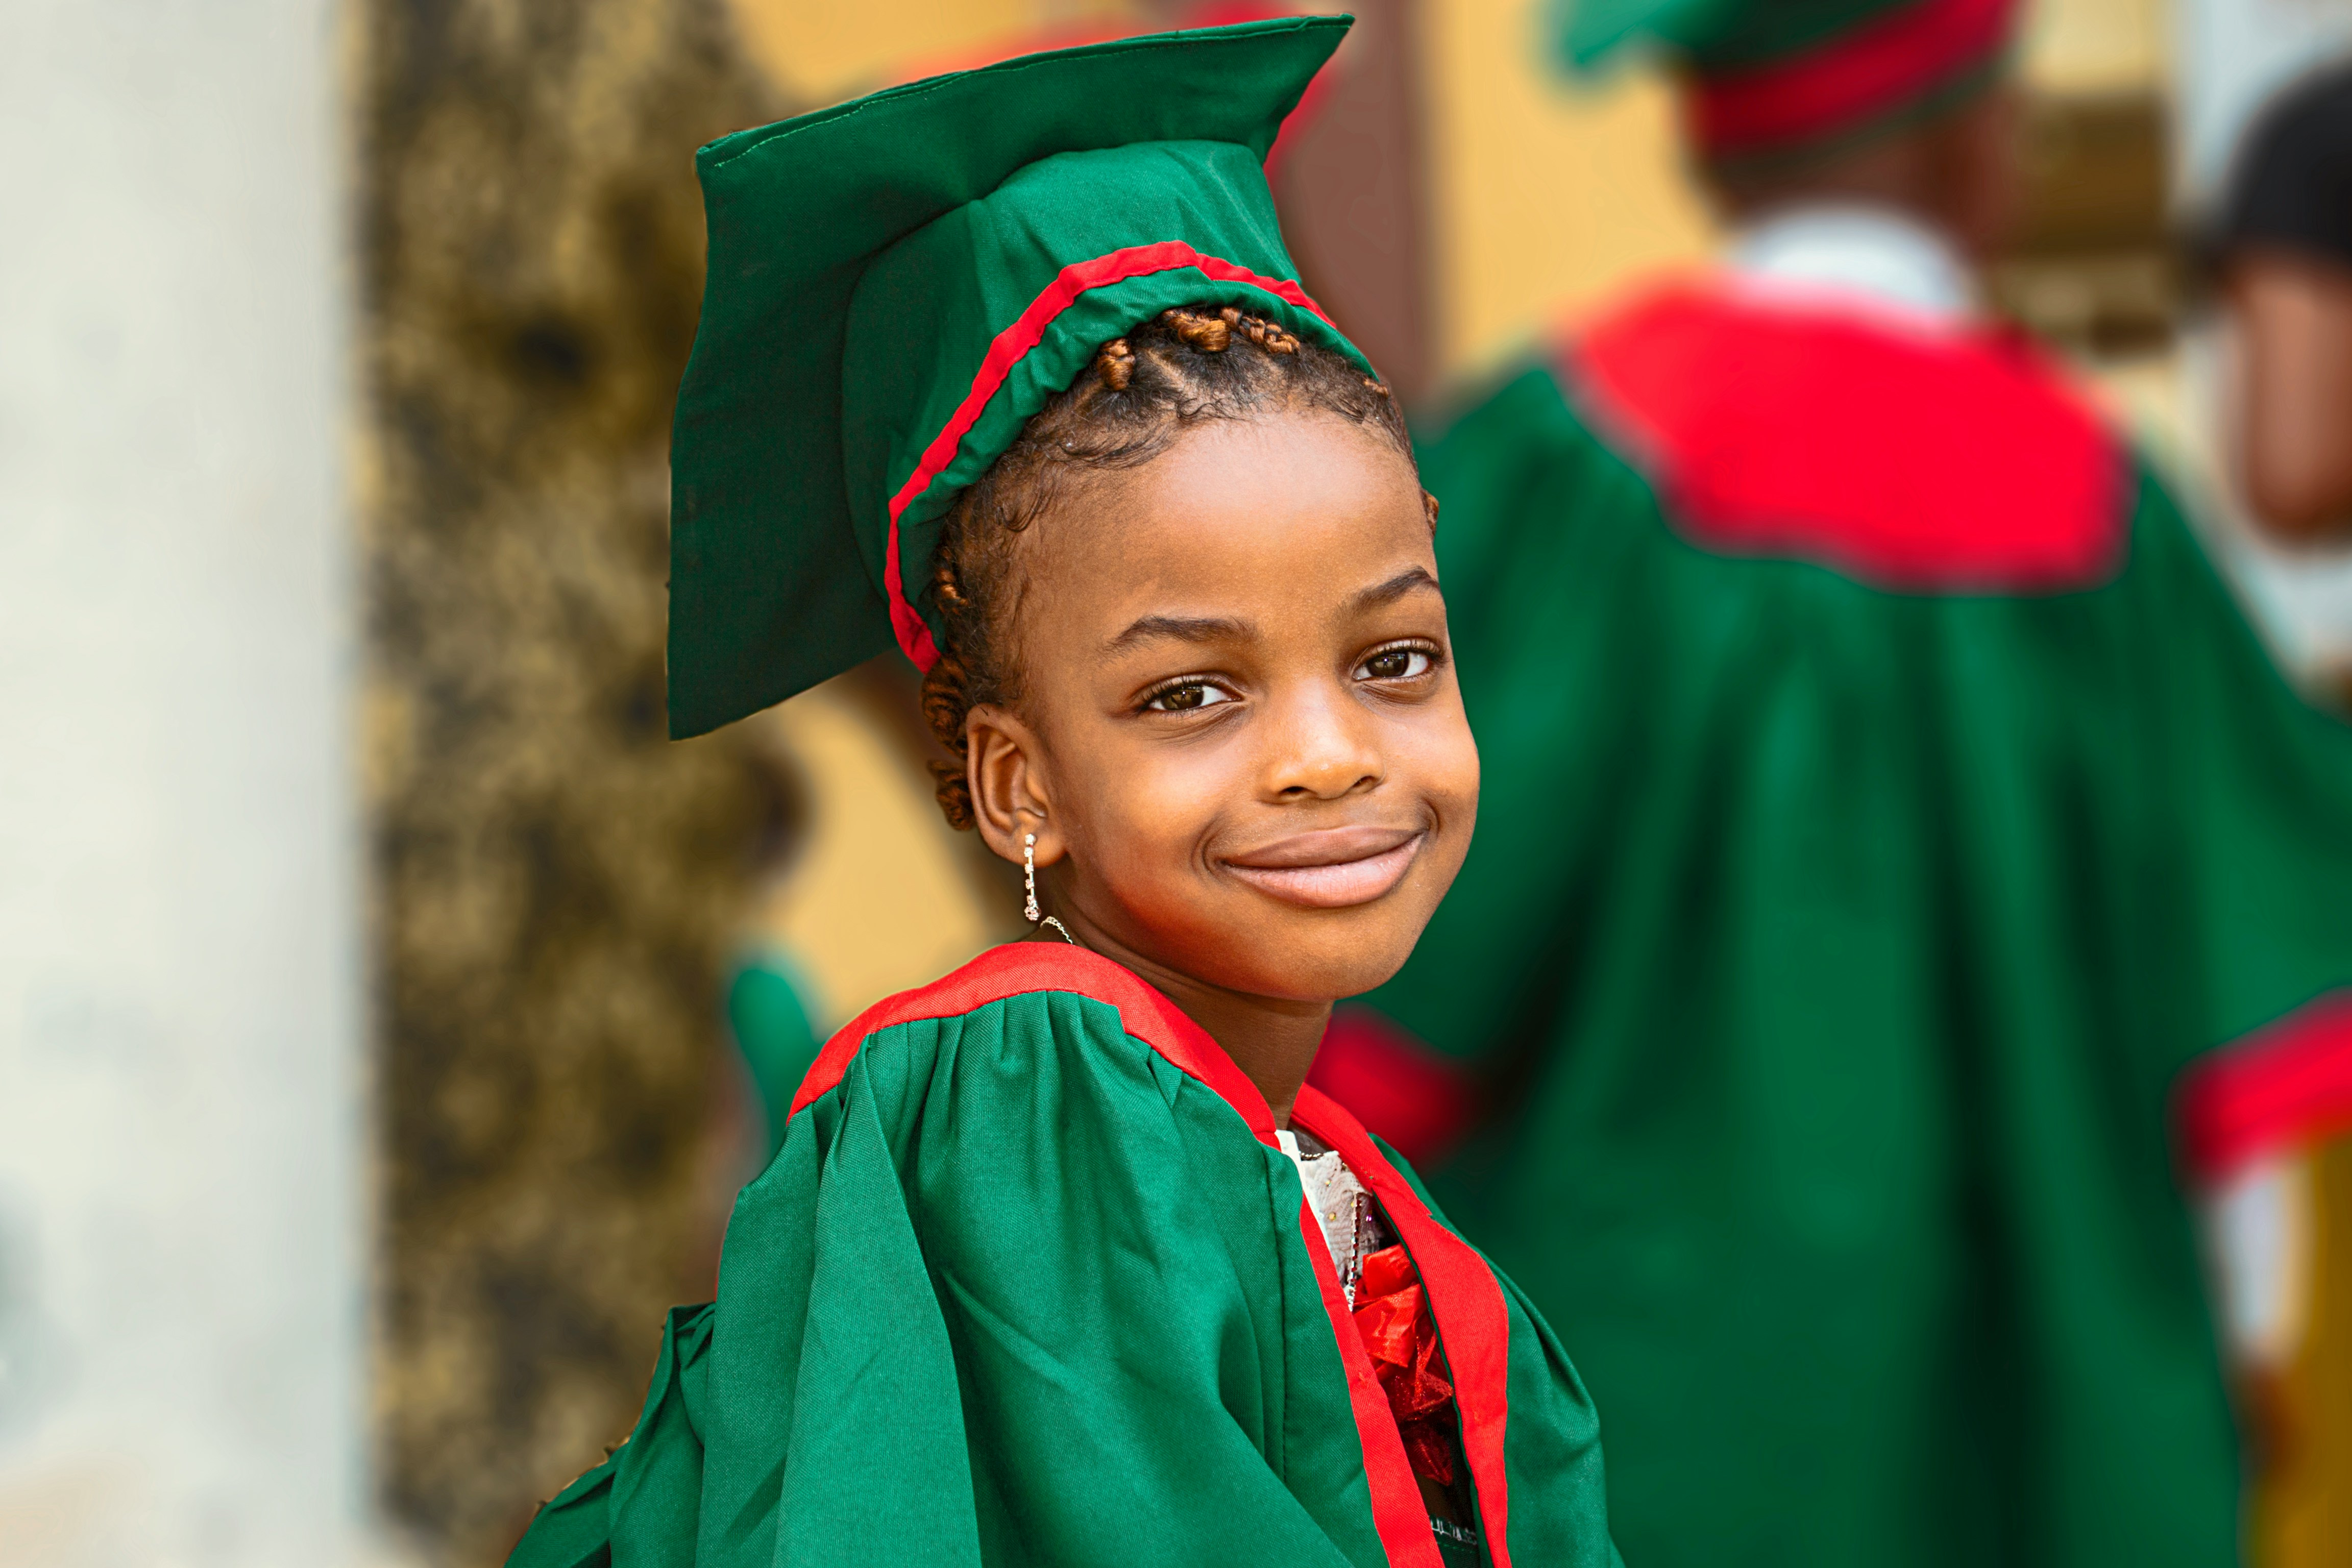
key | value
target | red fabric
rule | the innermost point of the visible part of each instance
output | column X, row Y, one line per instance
column 1418, row 1102
column 1398, row 1512
column 1885, row 64
column 1019, row 967
column 1914, row 462
column 1465, row 1301
column 2283, row 1087
column 1393, row 1319
column 1015, row 342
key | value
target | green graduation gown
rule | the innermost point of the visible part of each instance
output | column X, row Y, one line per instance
column 1029, row 1282
column 1883, row 803
column 771, row 1026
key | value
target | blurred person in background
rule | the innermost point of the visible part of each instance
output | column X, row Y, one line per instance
column 1885, row 802
column 2286, row 264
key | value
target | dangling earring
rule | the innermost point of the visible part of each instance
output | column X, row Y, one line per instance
column 1029, row 881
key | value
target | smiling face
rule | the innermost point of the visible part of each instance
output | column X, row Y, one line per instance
column 1239, row 740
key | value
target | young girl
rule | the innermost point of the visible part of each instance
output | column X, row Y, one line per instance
column 1058, row 1261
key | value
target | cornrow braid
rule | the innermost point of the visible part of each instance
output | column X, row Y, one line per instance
column 1184, row 368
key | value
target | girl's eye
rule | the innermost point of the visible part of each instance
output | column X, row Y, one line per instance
column 1395, row 664
column 1186, row 697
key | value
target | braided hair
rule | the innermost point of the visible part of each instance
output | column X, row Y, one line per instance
column 1182, row 369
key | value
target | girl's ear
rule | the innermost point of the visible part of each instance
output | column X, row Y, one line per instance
column 1010, row 795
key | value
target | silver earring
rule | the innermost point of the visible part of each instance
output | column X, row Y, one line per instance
column 1029, row 882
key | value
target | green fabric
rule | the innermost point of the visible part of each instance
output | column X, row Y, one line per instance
column 1831, row 954
column 1713, row 35
column 864, row 258
column 772, row 1030
column 1016, row 1290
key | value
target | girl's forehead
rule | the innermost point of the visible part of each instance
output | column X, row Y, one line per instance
column 1262, row 529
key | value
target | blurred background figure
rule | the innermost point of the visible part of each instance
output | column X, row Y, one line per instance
column 1885, row 808
column 2267, row 178
column 2285, row 259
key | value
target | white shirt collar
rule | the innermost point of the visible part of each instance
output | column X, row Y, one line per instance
column 1872, row 259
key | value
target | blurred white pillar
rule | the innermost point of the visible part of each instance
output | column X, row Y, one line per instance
column 180, row 1219
column 2233, row 54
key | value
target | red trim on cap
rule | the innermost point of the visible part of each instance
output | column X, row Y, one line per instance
column 1860, row 76
column 1474, row 1327
column 2286, row 1086
column 1393, row 1083
column 1011, row 346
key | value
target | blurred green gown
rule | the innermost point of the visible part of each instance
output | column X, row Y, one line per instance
column 1883, row 802
column 1029, row 1281
column 771, row 1026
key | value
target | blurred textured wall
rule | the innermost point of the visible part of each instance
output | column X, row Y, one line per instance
column 555, row 881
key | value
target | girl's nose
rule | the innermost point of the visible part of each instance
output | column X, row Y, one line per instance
column 1321, row 747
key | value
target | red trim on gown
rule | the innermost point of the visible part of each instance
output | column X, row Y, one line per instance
column 1465, row 1299
column 2285, row 1086
column 1917, row 462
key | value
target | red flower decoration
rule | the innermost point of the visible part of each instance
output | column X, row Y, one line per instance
column 1392, row 1316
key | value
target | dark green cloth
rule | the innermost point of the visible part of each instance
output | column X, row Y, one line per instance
column 771, row 1026
column 1711, row 33
column 1829, row 955
column 1022, row 1288
column 903, row 281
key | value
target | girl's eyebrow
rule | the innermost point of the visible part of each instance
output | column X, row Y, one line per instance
column 1180, row 628
column 1395, row 588
column 1227, row 628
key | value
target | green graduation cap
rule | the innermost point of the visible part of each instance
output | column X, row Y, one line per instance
column 897, row 284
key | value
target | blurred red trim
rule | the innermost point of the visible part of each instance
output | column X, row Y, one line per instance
column 1418, row 1102
column 1916, row 461
column 1877, row 68
column 2286, row 1086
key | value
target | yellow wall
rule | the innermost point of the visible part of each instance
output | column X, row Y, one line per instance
column 882, row 896
column 2098, row 45
column 1547, row 195
column 2302, row 1518
column 821, row 50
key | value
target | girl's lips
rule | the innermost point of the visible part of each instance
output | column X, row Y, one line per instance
column 1332, row 869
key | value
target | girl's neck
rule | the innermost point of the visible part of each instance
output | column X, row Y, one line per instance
column 1272, row 1040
